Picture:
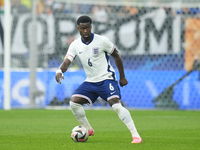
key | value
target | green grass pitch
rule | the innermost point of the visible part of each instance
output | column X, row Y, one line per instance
column 50, row 130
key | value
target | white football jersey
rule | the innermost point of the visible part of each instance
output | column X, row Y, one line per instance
column 94, row 57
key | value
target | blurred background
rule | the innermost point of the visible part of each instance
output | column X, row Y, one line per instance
column 159, row 41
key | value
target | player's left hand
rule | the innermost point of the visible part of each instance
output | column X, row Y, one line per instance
column 123, row 82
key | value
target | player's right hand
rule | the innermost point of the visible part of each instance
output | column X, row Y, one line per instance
column 59, row 76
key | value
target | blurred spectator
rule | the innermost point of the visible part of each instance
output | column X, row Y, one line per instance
column 69, row 8
column 1, row 3
column 192, row 44
column 19, row 8
column 100, row 13
column 192, row 35
column 40, row 7
column 62, row 7
column 58, row 7
column 47, row 9
column 131, row 10
column 84, row 8
column 188, row 11
column 49, row 2
column 26, row 3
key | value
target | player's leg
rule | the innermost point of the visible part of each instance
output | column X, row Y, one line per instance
column 83, row 95
column 76, row 105
column 112, row 94
column 125, row 116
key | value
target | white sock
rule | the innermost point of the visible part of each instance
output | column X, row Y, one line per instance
column 125, row 116
column 79, row 113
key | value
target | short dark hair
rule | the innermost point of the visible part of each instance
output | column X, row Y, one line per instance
column 84, row 19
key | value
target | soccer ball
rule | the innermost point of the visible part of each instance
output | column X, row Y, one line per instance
column 79, row 134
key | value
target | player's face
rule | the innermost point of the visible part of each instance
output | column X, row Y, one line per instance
column 85, row 31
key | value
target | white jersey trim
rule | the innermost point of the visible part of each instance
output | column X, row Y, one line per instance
column 113, row 96
column 70, row 57
column 83, row 96
column 112, row 50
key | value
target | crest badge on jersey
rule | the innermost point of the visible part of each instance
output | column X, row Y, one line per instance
column 95, row 51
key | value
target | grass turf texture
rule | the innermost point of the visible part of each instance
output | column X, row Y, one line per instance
column 51, row 130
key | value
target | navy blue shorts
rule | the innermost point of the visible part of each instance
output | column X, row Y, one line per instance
column 106, row 89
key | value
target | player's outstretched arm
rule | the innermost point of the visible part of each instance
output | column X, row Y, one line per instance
column 118, row 61
column 63, row 67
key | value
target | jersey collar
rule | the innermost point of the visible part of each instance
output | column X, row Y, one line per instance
column 90, row 40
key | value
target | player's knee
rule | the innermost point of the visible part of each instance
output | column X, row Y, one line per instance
column 113, row 101
column 77, row 109
column 117, row 107
column 78, row 100
column 74, row 105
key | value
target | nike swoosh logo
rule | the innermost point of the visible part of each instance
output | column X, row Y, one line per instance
column 80, row 52
column 123, row 119
column 112, row 93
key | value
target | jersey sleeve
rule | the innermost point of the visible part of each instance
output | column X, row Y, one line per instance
column 71, row 53
column 108, row 46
